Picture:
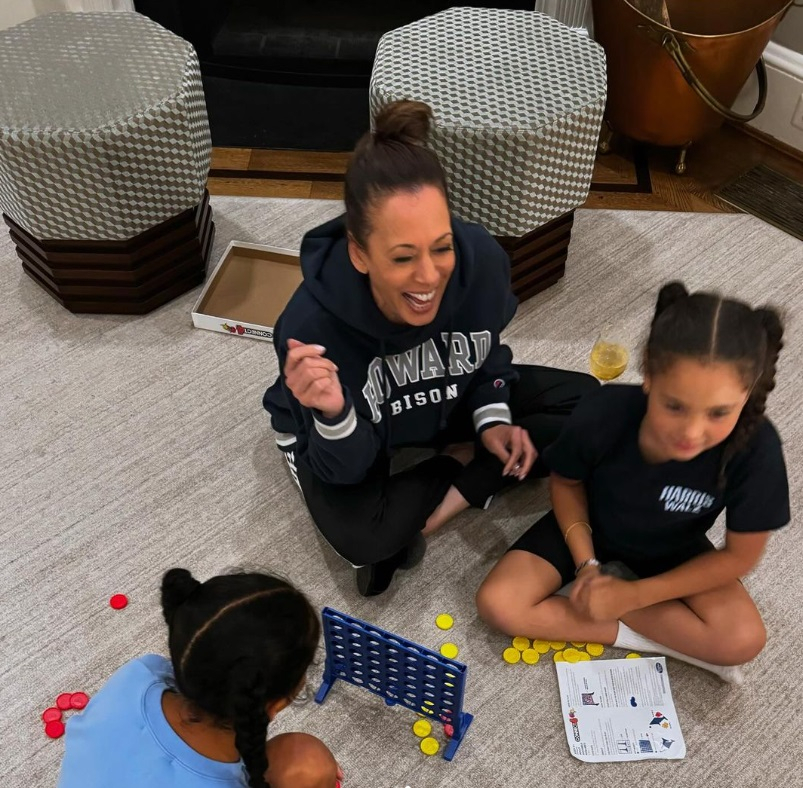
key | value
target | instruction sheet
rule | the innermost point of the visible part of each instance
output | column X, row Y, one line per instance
column 619, row 710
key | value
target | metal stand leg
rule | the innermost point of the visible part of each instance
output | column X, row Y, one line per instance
column 605, row 137
column 680, row 165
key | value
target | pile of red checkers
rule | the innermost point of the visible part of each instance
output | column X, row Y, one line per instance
column 54, row 727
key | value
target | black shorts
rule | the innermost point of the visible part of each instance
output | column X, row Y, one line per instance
column 545, row 540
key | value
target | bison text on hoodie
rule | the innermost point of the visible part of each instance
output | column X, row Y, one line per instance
column 400, row 382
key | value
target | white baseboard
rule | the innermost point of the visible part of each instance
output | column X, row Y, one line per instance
column 785, row 92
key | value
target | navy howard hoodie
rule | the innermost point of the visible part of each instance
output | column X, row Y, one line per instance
column 400, row 382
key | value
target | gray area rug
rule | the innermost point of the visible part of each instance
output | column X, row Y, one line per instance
column 130, row 445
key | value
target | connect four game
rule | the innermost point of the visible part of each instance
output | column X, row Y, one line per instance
column 397, row 670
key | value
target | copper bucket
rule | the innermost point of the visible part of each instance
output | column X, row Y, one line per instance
column 673, row 81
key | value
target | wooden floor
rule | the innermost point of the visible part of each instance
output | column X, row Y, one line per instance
column 630, row 177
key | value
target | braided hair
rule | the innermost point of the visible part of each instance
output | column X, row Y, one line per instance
column 707, row 327
column 238, row 642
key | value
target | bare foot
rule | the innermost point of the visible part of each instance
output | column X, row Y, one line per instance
column 452, row 504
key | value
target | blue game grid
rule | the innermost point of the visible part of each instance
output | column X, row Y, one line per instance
column 398, row 670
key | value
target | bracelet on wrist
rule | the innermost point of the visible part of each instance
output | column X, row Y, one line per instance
column 569, row 529
column 584, row 564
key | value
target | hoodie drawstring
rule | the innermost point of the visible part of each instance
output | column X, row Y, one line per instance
column 445, row 384
column 386, row 415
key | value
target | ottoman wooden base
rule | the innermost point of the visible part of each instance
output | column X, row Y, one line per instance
column 538, row 259
column 121, row 277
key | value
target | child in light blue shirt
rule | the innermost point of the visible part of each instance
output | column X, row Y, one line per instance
column 240, row 646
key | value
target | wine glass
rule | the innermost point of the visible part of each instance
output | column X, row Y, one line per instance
column 610, row 354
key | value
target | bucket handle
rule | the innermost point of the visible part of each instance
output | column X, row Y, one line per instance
column 672, row 46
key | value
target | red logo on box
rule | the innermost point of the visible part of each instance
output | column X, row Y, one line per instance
column 238, row 329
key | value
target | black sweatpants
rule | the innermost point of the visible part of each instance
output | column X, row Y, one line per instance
column 373, row 520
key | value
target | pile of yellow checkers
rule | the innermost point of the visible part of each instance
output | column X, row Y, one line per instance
column 530, row 653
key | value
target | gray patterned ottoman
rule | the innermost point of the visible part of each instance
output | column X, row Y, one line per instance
column 518, row 101
column 104, row 153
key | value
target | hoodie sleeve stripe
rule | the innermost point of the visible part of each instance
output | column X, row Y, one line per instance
column 336, row 432
column 495, row 412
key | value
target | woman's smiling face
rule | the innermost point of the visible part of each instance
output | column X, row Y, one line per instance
column 408, row 255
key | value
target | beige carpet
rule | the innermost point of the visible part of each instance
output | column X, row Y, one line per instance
column 133, row 444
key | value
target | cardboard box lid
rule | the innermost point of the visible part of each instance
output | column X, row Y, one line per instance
column 251, row 284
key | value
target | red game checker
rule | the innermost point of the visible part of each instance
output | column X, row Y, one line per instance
column 52, row 714
column 55, row 729
column 79, row 700
column 64, row 701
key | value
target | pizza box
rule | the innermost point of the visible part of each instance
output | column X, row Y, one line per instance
column 248, row 290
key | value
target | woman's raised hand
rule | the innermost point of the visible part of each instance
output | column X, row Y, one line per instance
column 313, row 379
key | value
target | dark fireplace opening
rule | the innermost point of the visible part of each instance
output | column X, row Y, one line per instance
column 290, row 74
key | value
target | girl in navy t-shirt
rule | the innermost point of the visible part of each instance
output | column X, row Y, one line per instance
column 240, row 646
column 639, row 475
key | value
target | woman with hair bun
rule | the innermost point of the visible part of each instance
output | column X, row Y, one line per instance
column 392, row 341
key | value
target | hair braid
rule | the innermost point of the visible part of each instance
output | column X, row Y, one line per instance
column 752, row 414
column 249, row 719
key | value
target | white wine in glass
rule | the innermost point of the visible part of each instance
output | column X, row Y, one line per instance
column 609, row 357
